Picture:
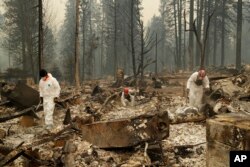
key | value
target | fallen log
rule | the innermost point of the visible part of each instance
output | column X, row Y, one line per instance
column 27, row 111
column 31, row 110
column 68, row 98
column 16, row 153
column 4, row 102
column 12, row 155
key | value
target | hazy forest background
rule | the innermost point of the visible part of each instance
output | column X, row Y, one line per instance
column 99, row 36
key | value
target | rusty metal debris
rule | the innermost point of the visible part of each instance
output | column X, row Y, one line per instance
column 127, row 132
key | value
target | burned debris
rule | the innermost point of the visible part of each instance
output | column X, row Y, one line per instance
column 92, row 128
column 127, row 132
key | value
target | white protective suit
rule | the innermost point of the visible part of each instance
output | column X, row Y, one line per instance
column 196, row 91
column 125, row 102
column 49, row 89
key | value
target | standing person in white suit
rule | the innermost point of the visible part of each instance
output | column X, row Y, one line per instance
column 196, row 85
column 49, row 90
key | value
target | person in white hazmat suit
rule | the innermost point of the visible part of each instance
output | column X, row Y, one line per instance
column 49, row 90
column 127, row 98
column 196, row 85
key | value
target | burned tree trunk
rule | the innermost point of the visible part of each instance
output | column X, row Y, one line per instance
column 119, row 78
column 77, row 44
column 40, row 49
column 202, row 45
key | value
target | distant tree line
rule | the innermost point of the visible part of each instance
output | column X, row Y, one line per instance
column 21, row 36
column 223, row 43
column 112, row 36
column 98, row 37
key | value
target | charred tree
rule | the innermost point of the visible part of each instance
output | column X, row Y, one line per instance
column 201, row 44
column 239, row 33
column 77, row 63
column 176, row 36
column 191, row 36
column 40, row 49
column 84, row 19
column 179, row 9
column 115, row 37
column 200, row 6
column 215, row 32
column 132, row 36
column 223, row 33
column 207, row 10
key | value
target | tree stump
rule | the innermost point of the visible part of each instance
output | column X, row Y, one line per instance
column 226, row 132
column 119, row 78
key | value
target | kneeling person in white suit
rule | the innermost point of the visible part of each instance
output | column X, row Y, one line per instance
column 127, row 98
column 196, row 84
